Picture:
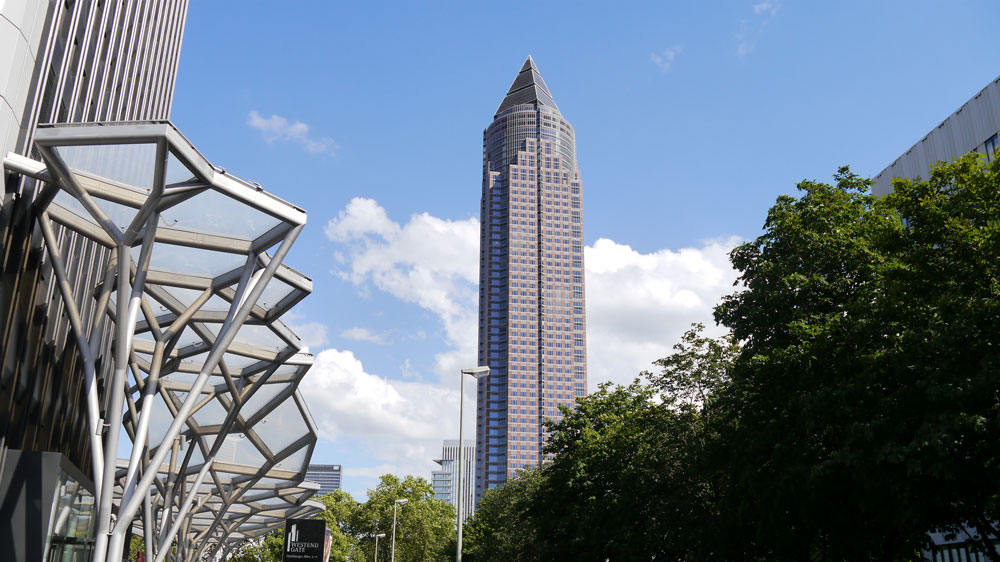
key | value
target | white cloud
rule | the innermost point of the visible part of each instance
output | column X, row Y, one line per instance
column 363, row 334
column 278, row 128
column 431, row 262
column 665, row 59
column 639, row 304
column 400, row 424
column 751, row 30
column 767, row 7
column 312, row 334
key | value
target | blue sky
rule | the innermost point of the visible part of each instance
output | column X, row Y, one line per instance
column 690, row 119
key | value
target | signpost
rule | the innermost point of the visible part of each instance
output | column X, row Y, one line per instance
column 305, row 541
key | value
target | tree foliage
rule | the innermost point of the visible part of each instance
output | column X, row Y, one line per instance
column 425, row 526
column 859, row 411
column 424, row 530
column 865, row 398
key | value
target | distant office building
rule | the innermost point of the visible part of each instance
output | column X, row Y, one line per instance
column 973, row 127
column 445, row 481
column 532, row 324
column 326, row 475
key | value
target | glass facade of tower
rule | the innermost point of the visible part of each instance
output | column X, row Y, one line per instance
column 532, row 327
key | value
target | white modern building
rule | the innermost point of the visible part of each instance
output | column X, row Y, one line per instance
column 445, row 481
column 973, row 127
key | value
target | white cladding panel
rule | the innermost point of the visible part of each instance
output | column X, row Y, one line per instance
column 968, row 129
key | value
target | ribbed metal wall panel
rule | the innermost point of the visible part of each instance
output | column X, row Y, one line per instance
column 82, row 61
column 966, row 130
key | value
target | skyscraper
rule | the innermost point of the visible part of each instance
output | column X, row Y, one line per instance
column 532, row 327
column 445, row 481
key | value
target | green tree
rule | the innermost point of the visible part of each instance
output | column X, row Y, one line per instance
column 502, row 529
column 340, row 510
column 864, row 408
column 261, row 549
column 425, row 525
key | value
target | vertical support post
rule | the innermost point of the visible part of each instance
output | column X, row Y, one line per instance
column 458, row 492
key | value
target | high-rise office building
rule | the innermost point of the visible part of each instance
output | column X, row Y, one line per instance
column 445, row 481
column 532, row 325
column 326, row 475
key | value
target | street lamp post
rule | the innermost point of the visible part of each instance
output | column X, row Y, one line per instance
column 480, row 373
column 376, row 544
column 397, row 503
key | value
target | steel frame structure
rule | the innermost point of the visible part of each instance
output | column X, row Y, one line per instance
column 200, row 372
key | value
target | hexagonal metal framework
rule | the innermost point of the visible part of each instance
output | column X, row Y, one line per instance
column 200, row 367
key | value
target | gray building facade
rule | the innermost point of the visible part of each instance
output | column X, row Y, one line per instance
column 445, row 480
column 61, row 62
column 972, row 127
column 532, row 322
column 328, row 476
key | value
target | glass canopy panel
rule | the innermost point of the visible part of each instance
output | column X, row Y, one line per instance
column 237, row 449
column 159, row 422
column 178, row 172
column 264, row 394
column 273, row 503
column 119, row 214
column 188, row 337
column 274, row 293
column 260, row 336
column 282, row 426
column 212, row 212
column 296, row 461
column 234, row 361
column 212, row 413
column 71, row 204
column 215, row 303
column 172, row 258
column 127, row 164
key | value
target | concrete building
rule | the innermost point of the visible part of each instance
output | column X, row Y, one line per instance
column 115, row 324
column 972, row 127
column 326, row 475
column 445, row 481
column 532, row 323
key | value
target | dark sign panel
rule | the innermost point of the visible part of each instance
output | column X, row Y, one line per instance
column 304, row 540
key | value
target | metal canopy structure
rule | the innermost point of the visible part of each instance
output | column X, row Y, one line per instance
column 177, row 313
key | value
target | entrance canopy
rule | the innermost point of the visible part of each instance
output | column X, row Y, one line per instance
column 170, row 271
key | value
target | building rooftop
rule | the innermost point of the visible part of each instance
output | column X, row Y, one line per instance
column 528, row 87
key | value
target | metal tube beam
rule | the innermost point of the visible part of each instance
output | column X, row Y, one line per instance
column 226, row 336
column 89, row 373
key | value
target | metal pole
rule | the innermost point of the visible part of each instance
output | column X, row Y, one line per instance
column 392, row 556
column 458, row 492
column 376, row 548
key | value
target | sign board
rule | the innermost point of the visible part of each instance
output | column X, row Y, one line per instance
column 304, row 540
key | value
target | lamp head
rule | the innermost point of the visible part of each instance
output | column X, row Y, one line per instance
column 402, row 501
column 478, row 372
column 380, row 535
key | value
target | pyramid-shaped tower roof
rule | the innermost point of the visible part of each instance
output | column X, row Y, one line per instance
column 528, row 87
